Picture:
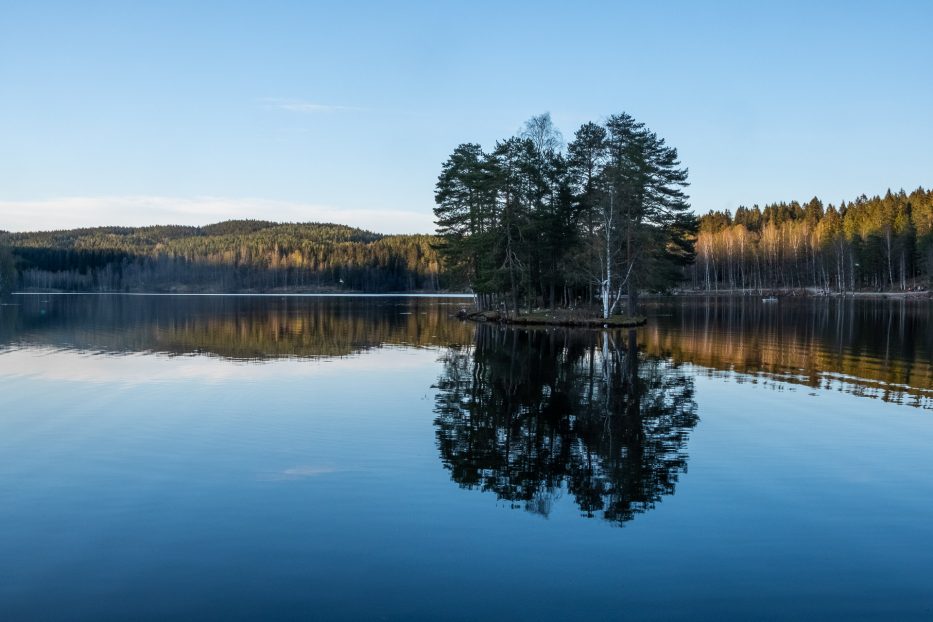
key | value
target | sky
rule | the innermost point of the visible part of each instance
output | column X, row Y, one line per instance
column 133, row 113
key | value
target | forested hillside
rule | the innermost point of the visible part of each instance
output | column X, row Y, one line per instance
column 552, row 251
column 244, row 255
column 881, row 243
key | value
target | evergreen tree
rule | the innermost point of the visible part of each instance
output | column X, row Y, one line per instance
column 645, row 190
column 465, row 214
column 7, row 269
column 609, row 214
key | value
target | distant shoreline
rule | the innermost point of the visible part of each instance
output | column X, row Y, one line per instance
column 722, row 293
column 802, row 293
column 259, row 294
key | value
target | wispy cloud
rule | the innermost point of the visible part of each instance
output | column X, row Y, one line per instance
column 302, row 106
column 140, row 210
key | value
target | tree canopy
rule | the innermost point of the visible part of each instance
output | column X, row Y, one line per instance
column 533, row 222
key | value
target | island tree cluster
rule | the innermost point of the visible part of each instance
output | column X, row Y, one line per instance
column 534, row 223
column 882, row 243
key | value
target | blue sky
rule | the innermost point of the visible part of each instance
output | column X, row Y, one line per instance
column 193, row 112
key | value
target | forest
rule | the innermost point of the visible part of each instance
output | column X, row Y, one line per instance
column 244, row 255
column 878, row 243
column 535, row 222
column 532, row 223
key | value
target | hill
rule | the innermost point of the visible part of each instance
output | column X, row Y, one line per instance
column 230, row 256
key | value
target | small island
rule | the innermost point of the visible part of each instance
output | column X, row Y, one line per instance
column 544, row 233
column 554, row 317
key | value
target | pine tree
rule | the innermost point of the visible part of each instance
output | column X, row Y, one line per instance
column 7, row 269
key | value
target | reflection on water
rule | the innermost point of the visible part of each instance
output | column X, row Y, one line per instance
column 234, row 327
column 873, row 348
column 266, row 458
column 530, row 414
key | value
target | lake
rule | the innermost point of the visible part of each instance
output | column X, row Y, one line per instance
column 374, row 458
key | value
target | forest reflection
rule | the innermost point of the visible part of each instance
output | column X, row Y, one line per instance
column 872, row 348
column 242, row 328
column 530, row 415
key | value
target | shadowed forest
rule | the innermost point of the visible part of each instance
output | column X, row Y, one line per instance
column 246, row 255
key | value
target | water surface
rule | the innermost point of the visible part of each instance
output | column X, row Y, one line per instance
column 374, row 458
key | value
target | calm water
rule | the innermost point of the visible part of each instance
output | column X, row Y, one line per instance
column 302, row 458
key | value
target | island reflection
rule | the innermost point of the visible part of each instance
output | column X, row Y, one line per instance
column 530, row 415
column 870, row 348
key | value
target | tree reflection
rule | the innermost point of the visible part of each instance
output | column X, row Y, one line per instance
column 243, row 328
column 531, row 415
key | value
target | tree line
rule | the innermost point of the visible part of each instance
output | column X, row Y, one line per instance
column 536, row 223
column 881, row 243
column 531, row 223
column 228, row 256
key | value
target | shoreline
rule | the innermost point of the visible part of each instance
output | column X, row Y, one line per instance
column 553, row 318
column 321, row 294
column 800, row 293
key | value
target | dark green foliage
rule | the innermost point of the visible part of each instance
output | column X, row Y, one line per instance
column 7, row 265
column 237, row 227
column 464, row 214
column 531, row 224
column 228, row 256
column 647, row 182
